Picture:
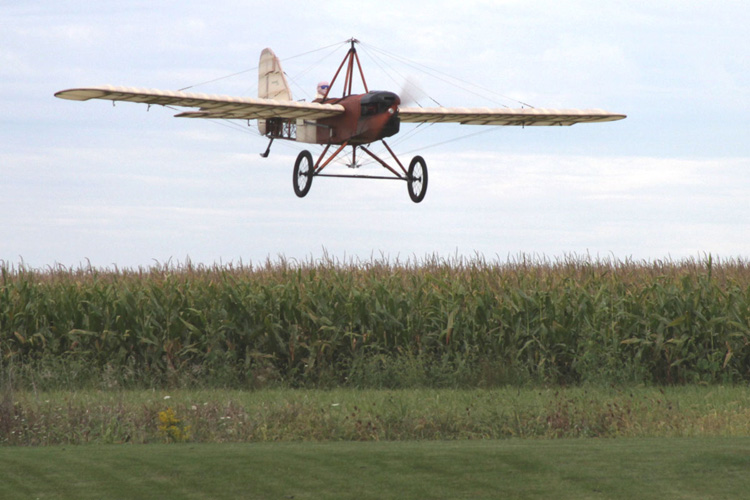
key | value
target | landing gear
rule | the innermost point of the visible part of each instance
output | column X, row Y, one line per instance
column 305, row 170
column 303, row 174
column 417, row 179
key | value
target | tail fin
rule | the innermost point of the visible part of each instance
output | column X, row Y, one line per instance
column 272, row 83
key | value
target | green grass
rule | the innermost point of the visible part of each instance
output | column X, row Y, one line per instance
column 418, row 359
column 626, row 468
column 225, row 416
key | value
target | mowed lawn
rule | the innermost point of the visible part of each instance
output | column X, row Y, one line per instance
column 572, row 468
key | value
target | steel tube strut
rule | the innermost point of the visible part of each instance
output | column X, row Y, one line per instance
column 330, row 86
column 381, row 161
column 349, row 74
column 317, row 163
column 349, row 59
column 352, row 176
column 361, row 73
column 318, row 168
column 394, row 157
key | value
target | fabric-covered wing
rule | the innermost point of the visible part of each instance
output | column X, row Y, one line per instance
column 507, row 116
column 210, row 106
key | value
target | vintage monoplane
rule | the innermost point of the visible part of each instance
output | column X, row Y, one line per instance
column 354, row 120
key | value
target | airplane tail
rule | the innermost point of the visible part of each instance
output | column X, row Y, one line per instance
column 272, row 83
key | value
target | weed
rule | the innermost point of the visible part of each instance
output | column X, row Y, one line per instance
column 171, row 428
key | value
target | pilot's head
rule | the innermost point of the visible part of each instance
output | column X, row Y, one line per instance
column 323, row 88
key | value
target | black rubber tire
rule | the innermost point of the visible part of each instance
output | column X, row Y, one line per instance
column 417, row 181
column 302, row 172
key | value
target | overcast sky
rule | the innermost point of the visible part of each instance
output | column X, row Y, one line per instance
column 88, row 182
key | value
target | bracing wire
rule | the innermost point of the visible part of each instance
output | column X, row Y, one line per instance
column 226, row 123
column 381, row 64
column 297, row 76
column 217, row 79
column 446, row 78
column 449, row 79
column 454, row 139
column 338, row 44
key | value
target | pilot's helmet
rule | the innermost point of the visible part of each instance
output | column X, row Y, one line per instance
column 323, row 88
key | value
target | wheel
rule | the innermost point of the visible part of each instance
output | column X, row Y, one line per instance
column 303, row 174
column 417, row 180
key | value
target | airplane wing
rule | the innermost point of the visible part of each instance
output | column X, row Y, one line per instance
column 210, row 106
column 507, row 116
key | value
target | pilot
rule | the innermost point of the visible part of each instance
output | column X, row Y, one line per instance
column 322, row 89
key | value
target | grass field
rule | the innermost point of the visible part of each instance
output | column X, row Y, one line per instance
column 442, row 379
column 230, row 416
column 698, row 468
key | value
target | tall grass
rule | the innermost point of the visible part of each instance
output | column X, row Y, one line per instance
column 224, row 416
column 433, row 322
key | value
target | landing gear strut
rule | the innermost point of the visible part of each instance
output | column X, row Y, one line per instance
column 415, row 177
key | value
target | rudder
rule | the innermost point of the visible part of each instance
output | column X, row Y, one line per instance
column 272, row 83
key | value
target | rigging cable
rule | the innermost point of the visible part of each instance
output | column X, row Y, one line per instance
column 444, row 77
column 256, row 67
column 293, row 79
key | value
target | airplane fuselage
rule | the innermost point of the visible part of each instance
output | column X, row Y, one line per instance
column 367, row 118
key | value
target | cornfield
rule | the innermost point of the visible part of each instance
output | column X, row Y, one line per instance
column 378, row 324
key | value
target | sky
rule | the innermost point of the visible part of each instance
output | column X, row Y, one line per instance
column 89, row 183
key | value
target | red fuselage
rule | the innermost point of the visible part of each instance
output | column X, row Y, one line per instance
column 367, row 118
